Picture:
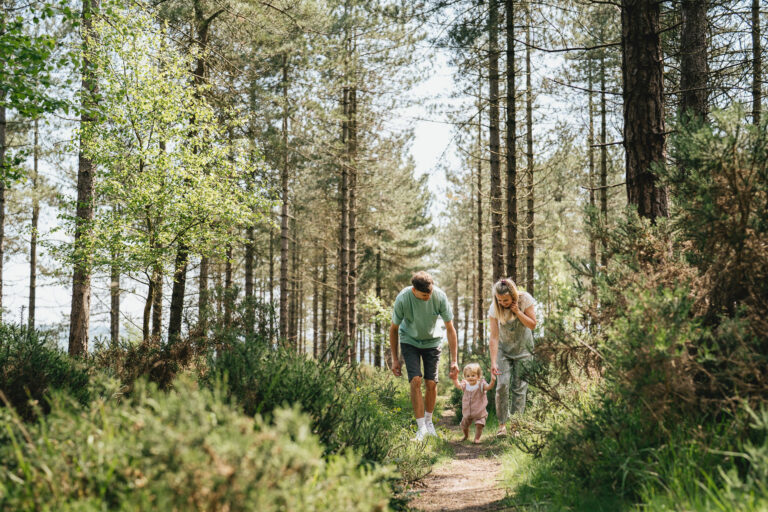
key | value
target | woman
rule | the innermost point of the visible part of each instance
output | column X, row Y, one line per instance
column 511, row 318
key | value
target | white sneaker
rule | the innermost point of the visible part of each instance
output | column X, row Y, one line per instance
column 431, row 429
column 421, row 434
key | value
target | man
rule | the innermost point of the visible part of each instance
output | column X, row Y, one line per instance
column 414, row 317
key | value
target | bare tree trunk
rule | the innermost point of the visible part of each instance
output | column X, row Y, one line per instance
column 529, row 157
column 591, row 156
column 284, row 214
column 497, row 249
column 147, row 309
column 293, row 289
column 603, row 160
column 79, row 321
column 249, row 298
column 694, row 68
column 479, row 295
column 157, row 301
column 465, row 348
column 271, row 283
column 456, row 319
column 229, row 293
column 379, row 333
column 352, row 278
column 114, row 307
column 644, row 128
column 203, row 297
column 177, row 293
column 35, row 221
column 315, row 305
column 324, row 305
column 511, row 145
column 757, row 64
column 343, row 284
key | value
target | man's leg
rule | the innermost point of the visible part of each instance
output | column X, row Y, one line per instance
column 431, row 358
column 416, row 399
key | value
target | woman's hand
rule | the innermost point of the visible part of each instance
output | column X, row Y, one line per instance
column 513, row 307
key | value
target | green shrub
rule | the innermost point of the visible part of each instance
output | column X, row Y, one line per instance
column 179, row 450
column 32, row 367
column 348, row 408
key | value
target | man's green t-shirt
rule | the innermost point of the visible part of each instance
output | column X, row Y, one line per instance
column 417, row 318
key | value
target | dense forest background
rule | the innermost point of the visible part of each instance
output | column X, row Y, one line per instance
column 228, row 188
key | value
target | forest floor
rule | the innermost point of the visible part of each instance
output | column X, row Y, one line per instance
column 468, row 482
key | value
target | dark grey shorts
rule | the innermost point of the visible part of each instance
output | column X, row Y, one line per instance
column 413, row 357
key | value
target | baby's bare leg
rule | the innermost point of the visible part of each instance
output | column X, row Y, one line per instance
column 478, row 432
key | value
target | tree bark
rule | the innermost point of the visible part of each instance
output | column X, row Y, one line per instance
column 379, row 333
column 352, row 277
column 293, row 296
column 229, row 293
column 603, row 160
column 3, row 128
column 284, row 213
column 324, row 307
column 157, row 301
column 529, row 158
column 177, row 293
column 497, row 250
column 147, row 309
column 114, row 307
column 33, row 238
column 249, row 298
column 694, row 68
column 315, row 307
column 479, row 294
column 644, row 128
column 81, row 276
column 203, row 298
column 271, row 284
column 511, row 144
column 343, row 283
column 757, row 64
column 591, row 158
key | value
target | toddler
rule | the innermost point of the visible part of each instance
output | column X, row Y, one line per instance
column 474, row 402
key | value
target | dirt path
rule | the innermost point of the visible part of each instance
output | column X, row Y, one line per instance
column 468, row 483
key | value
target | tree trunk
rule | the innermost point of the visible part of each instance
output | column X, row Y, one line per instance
column 203, row 298
column 324, row 306
column 693, row 60
column 603, row 160
column 33, row 238
column 3, row 128
column 157, row 301
column 343, row 284
column 591, row 158
column 271, row 284
column 456, row 320
column 644, row 129
column 497, row 250
column 284, row 213
column 79, row 320
column 529, row 157
column 315, row 306
column 511, row 146
column 229, row 293
column 465, row 348
column 293, row 288
column 177, row 294
column 479, row 294
column 757, row 64
column 352, row 278
column 249, row 298
column 147, row 310
column 114, row 307
column 379, row 333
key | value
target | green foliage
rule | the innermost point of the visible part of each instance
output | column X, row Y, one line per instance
column 348, row 408
column 32, row 368
column 180, row 450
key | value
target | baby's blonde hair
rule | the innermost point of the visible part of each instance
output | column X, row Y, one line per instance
column 473, row 369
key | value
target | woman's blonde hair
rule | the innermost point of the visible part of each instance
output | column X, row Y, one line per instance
column 504, row 286
column 473, row 369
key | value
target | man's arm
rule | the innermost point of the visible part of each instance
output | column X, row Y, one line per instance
column 453, row 346
column 394, row 346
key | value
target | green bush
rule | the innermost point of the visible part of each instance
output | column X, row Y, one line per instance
column 348, row 408
column 179, row 450
column 32, row 367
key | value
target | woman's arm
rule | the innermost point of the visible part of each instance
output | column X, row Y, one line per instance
column 527, row 318
column 493, row 345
